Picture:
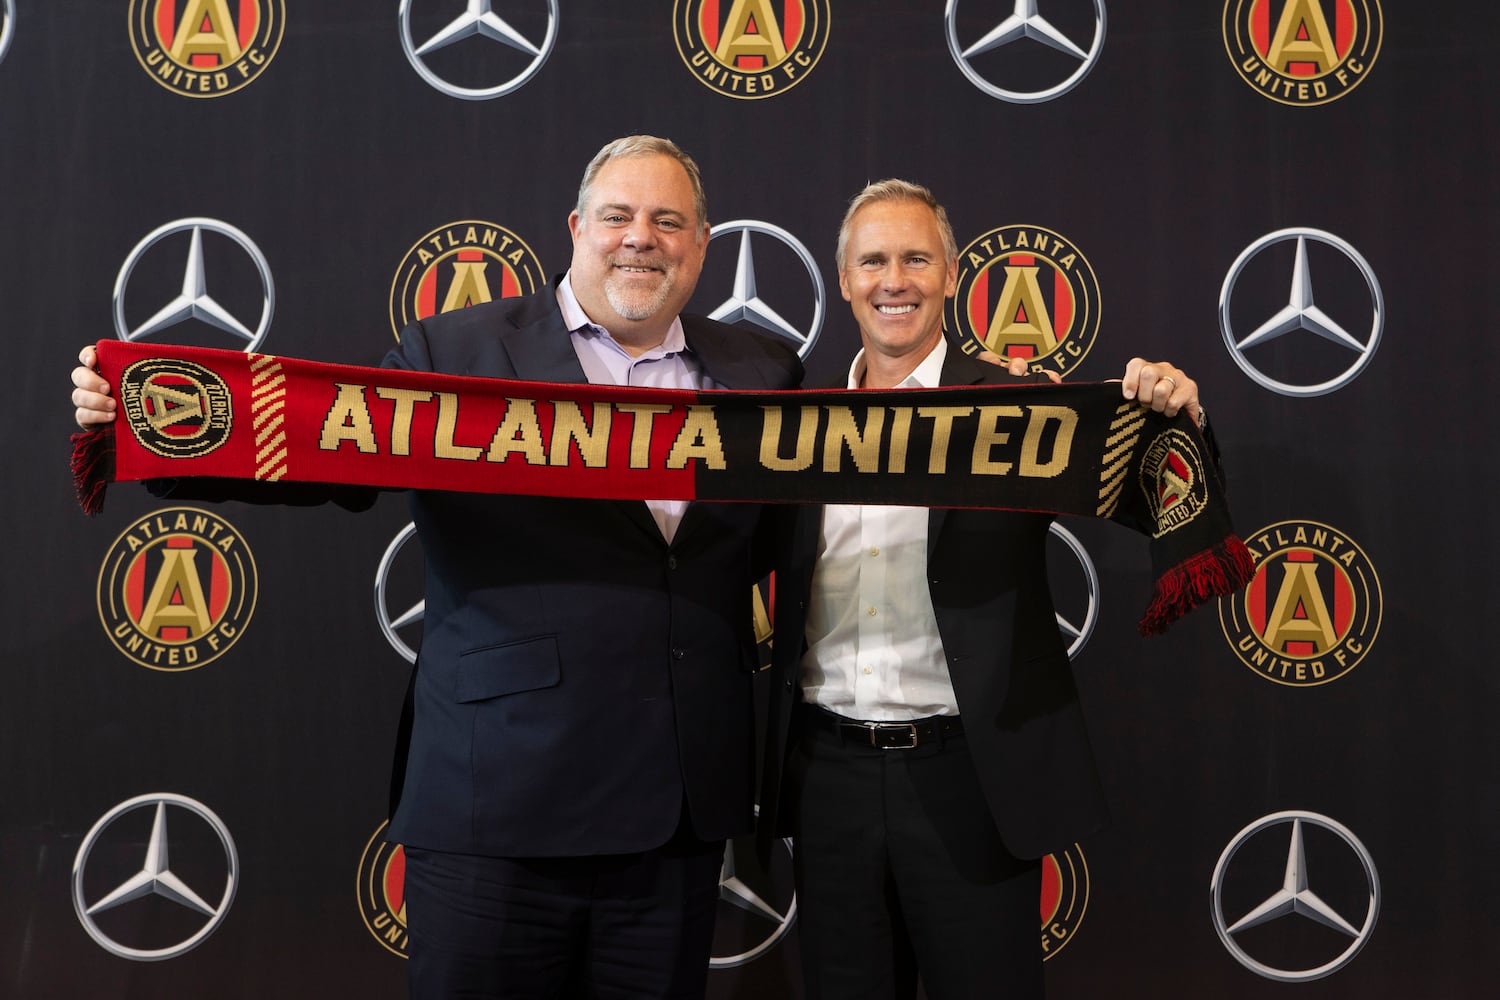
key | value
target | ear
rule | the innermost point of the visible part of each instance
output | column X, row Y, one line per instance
column 951, row 286
column 575, row 223
column 844, row 284
column 703, row 237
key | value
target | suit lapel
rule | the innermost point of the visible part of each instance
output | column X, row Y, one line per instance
column 541, row 350
column 730, row 368
column 958, row 369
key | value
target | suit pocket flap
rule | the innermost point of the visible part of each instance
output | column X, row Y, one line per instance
column 492, row 671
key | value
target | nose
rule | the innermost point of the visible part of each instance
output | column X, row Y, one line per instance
column 640, row 234
column 893, row 276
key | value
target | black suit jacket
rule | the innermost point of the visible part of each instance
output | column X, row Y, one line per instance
column 987, row 575
column 579, row 678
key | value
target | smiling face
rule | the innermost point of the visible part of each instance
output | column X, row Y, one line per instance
column 895, row 277
column 638, row 248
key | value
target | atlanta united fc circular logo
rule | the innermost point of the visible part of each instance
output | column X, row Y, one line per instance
column 1303, row 52
column 750, row 49
column 1065, row 897
column 177, row 589
column 382, row 892
column 462, row 264
column 177, row 409
column 206, row 48
column 1173, row 481
column 1311, row 612
column 1026, row 292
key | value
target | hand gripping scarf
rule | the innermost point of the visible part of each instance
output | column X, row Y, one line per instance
column 1076, row 449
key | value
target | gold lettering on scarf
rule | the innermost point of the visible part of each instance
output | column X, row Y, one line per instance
column 770, row 437
column 568, row 425
column 989, row 436
column 942, row 418
column 640, row 432
column 699, row 438
column 348, row 420
column 1045, row 435
column 443, row 445
column 521, row 432
column 863, row 448
column 1062, row 446
column 406, row 401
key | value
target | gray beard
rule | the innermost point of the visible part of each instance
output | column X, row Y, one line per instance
column 636, row 307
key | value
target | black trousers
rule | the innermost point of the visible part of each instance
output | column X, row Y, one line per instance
column 613, row 926
column 901, row 874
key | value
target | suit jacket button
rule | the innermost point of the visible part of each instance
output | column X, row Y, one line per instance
column 678, row 653
column 671, row 562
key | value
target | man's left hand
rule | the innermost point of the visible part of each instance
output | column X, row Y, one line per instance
column 1163, row 387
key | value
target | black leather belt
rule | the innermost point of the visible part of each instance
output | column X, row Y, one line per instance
column 884, row 735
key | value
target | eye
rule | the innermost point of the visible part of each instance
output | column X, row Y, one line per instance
column 670, row 224
column 871, row 263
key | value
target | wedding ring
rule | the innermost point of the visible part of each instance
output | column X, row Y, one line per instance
column 1168, row 378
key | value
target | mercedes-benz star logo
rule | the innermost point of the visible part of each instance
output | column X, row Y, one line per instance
column 391, row 620
column 7, row 25
column 752, row 917
column 745, row 304
column 194, row 301
column 1295, row 896
column 1301, row 314
column 1025, row 23
column 1079, row 591
column 155, row 876
column 479, row 20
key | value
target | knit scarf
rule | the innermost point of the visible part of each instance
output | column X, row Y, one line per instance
column 1075, row 449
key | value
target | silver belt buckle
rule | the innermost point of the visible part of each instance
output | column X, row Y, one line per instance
column 887, row 727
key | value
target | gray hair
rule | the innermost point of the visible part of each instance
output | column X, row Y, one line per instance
column 644, row 145
column 894, row 189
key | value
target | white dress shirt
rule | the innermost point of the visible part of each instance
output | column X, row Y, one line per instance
column 873, row 650
column 668, row 366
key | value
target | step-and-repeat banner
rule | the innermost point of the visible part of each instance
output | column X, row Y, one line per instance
column 1295, row 200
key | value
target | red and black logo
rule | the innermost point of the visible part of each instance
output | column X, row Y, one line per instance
column 177, row 409
column 177, row 589
column 1303, row 52
column 1026, row 292
column 206, row 48
column 462, row 264
column 750, row 49
column 382, row 892
column 1065, row 897
column 1312, row 610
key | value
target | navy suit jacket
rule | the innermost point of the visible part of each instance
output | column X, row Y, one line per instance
column 580, row 681
column 987, row 576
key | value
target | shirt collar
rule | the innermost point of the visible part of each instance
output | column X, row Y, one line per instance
column 927, row 375
column 578, row 322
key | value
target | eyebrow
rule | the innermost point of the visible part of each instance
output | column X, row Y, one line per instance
column 631, row 209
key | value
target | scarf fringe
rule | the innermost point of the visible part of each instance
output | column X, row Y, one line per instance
column 93, row 467
column 1215, row 572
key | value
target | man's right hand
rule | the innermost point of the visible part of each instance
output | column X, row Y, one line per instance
column 91, row 396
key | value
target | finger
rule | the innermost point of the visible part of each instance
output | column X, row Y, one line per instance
column 87, row 356
column 1017, row 366
column 1173, row 392
column 1130, row 384
column 90, row 381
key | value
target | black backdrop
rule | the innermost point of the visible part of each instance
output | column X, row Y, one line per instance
column 1162, row 166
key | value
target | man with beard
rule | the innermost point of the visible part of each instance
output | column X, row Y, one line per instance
column 925, row 746
column 579, row 735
